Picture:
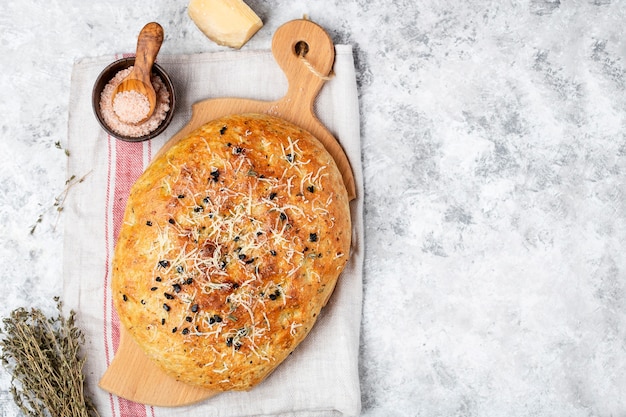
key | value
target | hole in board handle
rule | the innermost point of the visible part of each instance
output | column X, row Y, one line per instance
column 301, row 48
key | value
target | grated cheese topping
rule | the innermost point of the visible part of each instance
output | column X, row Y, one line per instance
column 240, row 237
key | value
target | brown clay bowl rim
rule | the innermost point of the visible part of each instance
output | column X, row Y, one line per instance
column 103, row 79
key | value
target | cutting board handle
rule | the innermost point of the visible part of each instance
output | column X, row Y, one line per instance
column 306, row 55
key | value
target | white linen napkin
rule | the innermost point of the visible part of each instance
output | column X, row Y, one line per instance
column 321, row 377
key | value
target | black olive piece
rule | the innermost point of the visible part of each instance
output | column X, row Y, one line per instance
column 235, row 286
column 181, row 195
column 148, row 223
column 273, row 252
column 153, row 289
column 249, row 261
column 180, row 269
column 311, row 189
column 194, row 308
column 124, row 297
column 172, row 221
column 289, row 157
column 215, row 175
column 236, row 239
column 272, row 196
column 168, row 296
column 198, row 209
column 273, row 296
column 217, row 318
column 313, row 237
column 229, row 342
column 223, row 130
column 242, row 256
column 188, row 319
column 283, row 216
column 143, row 302
column 185, row 331
column 158, row 279
column 174, row 329
column 164, row 264
column 211, row 320
column 222, row 264
column 176, row 287
column 162, row 321
column 206, row 200
column 189, row 281
column 166, row 307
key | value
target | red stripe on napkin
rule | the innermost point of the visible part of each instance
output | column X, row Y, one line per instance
column 126, row 163
column 128, row 167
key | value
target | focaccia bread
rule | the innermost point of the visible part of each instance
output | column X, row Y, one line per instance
column 232, row 243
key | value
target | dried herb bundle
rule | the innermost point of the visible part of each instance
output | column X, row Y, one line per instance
column 42, row 355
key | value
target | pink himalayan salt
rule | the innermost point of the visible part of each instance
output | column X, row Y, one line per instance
column 128, row 129
column 131, row 106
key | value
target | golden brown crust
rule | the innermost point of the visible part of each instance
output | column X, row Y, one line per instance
column 232, row 242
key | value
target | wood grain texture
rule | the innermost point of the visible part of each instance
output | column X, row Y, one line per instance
column 131, row 374
column 148, row 45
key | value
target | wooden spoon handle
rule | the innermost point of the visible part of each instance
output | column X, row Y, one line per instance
column 148, row 44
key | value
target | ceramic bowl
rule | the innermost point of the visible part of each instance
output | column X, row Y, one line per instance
column 103, row 79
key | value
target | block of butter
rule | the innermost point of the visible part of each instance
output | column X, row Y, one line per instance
column 226, row 22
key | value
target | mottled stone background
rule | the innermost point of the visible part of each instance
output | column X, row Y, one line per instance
column 495, row 176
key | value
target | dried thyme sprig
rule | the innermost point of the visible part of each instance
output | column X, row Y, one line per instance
column 59, row 200
column 43, row 356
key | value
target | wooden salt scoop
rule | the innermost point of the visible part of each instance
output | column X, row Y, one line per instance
column 148, row 44
column 131, row 374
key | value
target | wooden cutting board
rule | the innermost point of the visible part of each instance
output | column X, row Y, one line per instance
column 131, row 374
